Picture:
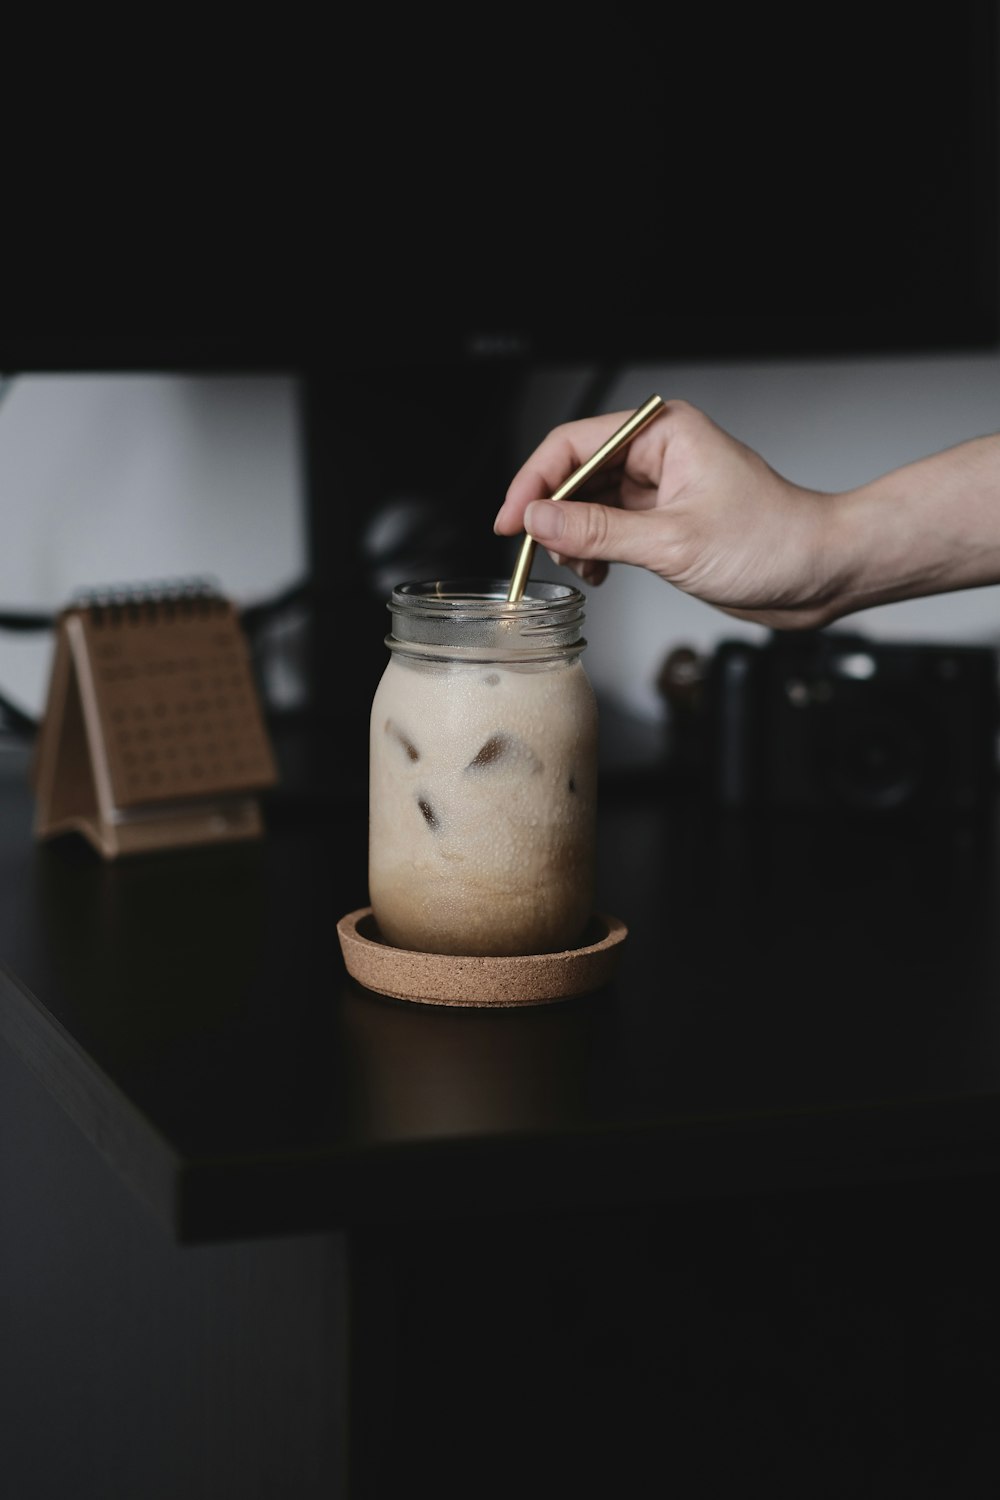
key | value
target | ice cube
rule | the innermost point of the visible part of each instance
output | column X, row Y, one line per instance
column 393, row 730
column 430, row 816
column 503, row 751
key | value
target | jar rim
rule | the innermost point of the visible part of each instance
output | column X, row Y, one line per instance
column 451, row 597
column 472, row 619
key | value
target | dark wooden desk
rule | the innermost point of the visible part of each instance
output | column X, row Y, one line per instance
column 731, row 1217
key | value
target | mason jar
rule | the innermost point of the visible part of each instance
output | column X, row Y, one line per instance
column 483, row 771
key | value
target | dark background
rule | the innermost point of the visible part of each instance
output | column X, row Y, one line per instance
column 416, row 221
column 688, row 187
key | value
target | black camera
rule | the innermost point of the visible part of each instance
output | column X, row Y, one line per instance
column 835, row 721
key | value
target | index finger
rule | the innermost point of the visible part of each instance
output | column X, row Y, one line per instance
column 565, row 449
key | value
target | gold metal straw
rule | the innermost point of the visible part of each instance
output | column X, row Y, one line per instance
column 615, row 442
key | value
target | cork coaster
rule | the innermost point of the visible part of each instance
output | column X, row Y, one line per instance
column 445, row 979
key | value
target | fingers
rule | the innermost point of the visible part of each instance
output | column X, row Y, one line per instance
column 591, row 535
column 601, row 523
column 592, row 573
column 565, row 449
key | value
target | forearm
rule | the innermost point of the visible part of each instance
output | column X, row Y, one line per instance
column 930, row 527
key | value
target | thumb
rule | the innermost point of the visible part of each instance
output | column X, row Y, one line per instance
column 575, row 528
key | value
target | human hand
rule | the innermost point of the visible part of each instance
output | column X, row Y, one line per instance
column 688, row 502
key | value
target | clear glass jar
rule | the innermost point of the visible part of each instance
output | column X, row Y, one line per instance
column 483, row 771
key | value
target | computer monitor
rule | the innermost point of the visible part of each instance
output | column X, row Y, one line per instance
column 723, row 184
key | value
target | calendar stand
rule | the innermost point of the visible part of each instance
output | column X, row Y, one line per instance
column 153, row 735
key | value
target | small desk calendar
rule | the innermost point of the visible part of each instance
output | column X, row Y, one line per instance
column 153, row 735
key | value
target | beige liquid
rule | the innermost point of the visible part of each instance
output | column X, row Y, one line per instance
column 482, row 803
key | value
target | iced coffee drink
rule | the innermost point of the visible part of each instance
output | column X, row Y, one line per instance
column 483, row 773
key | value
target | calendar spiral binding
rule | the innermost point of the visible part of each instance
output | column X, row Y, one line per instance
column 137, row 603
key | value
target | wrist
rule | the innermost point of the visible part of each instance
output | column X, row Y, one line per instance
column 878, row 551
column 931, row 527
column 832, row 560
column 848, row 537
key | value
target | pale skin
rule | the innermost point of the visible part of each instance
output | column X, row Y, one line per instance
column 709, row 515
